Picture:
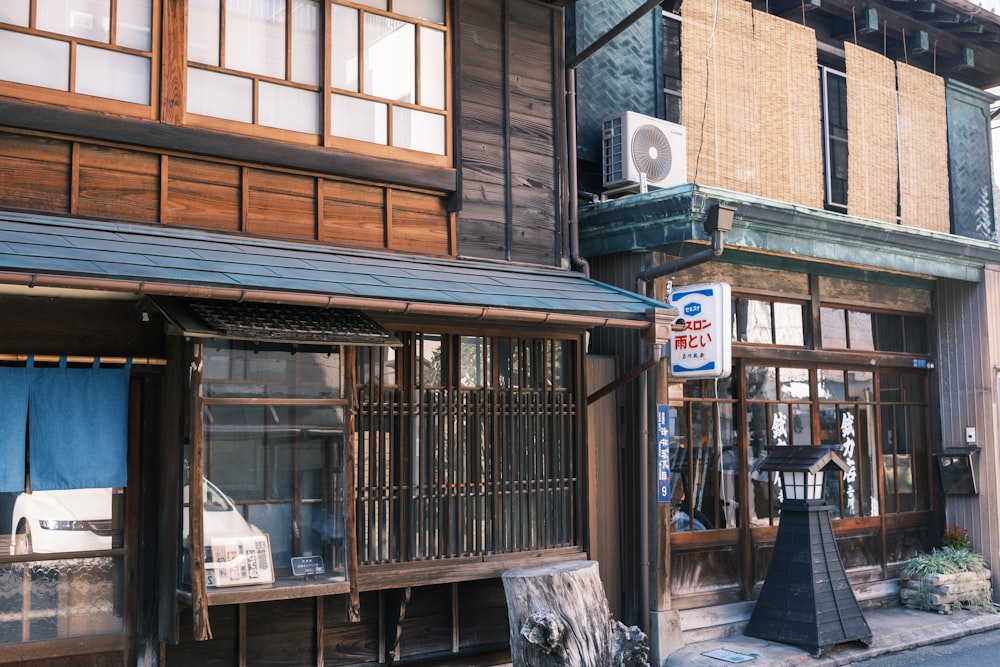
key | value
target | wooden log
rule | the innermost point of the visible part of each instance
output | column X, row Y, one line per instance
column 559, row 617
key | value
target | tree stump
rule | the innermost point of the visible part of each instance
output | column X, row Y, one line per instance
column 559, row 616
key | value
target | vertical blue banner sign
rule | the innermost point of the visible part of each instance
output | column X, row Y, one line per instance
column 663, row 453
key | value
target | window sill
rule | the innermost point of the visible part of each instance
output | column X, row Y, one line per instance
column 283, row 589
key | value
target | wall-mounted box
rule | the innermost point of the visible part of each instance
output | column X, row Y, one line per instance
column 959, row 468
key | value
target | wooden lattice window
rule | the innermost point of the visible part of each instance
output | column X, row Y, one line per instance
column 467, row 446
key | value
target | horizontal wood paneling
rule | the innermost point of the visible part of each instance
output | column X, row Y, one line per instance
column 203, row 194
column 874, row 295
column 34, row 172
column 37, row 173
column 419, row 223
column 281, row 204
column 118, row 183
column 281, row 633
column 353, row 214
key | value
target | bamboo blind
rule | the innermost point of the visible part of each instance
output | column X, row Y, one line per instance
column 751, row 102
column 871, row 139
column 923, row 150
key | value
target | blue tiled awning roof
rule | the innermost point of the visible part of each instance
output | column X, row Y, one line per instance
column 62, row 252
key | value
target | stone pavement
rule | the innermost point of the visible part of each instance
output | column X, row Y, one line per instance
column 894, row 628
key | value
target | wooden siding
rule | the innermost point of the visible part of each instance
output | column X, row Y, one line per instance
column 36, row 172
column 603, row 447
column 117, row 183
column 510, row 129
column 968, row 366
column 53, row 174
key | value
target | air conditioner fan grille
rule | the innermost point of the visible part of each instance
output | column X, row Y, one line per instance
column 651, row 152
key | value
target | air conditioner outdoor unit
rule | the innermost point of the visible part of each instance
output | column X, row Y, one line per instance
column 634, row 144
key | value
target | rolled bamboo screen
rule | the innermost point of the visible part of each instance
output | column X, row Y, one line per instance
column 871, row 134
column 923, row 150
column 751, row 102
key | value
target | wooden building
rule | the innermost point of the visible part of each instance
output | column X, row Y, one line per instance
column 852, row 140
column 293, row 340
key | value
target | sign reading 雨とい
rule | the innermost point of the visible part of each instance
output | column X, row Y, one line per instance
column 704, row 348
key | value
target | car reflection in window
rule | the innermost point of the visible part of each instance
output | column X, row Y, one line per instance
column 81, row 520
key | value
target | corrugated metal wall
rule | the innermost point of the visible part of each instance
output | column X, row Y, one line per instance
column 968, row 363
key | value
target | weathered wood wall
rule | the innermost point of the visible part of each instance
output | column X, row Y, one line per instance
column 511, row 127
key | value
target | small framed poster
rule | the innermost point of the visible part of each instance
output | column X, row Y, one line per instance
column 240, row 561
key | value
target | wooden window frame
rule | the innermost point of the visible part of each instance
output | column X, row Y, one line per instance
column 74, row 100
column 325, row 90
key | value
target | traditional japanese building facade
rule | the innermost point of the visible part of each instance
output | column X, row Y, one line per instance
column 852, row 144
column 292, row 356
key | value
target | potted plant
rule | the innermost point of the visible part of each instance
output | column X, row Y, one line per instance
column 952, row 577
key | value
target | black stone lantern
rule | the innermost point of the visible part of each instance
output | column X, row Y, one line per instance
column 806, row 599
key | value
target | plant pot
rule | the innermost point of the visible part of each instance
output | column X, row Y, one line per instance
column 944, row 593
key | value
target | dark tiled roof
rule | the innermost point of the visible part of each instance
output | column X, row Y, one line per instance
column 32, row 245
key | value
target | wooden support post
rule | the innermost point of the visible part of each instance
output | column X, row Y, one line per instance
column 196, row 500
column 559, row 616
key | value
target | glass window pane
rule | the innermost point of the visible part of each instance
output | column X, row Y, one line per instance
column 913, row 388
column 418, row 130
column 220, row 95
column 234, row 369
column 794, row 384
column 432, row 73
column 862, row 337
column 801, row 424
column 917, row 340
column 833, row 328
column 889, row 329
column 289, row 108
column 344, row 49
column 831, row 384
column 35, row 61
column 203, row 31
column 377, row 4
column 755, row 323
column 427, row 10
column 134, row 24
column 255, row 37
column 87, row 19
column 761, row 383
column 117, row 76
column 788, row 324
column 390, row 70
column 306, row 55
column 72, row 597
column 430, row 359
column 889, row 387
column 363, row 120
column 474, row 361
column 860, row 386
column 15, row 12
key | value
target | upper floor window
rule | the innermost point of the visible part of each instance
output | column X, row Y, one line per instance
column 833, row 98
column 262, row 61
column 768, row 322
column 97, row 48
column 672, row 67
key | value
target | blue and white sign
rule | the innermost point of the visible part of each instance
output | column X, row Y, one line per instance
column 704, row 349
column 663, row 453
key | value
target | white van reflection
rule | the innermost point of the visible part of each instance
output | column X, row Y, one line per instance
column 80, row 520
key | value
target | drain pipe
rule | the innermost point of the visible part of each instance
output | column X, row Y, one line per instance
column 578, row 262
column 718, row 221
